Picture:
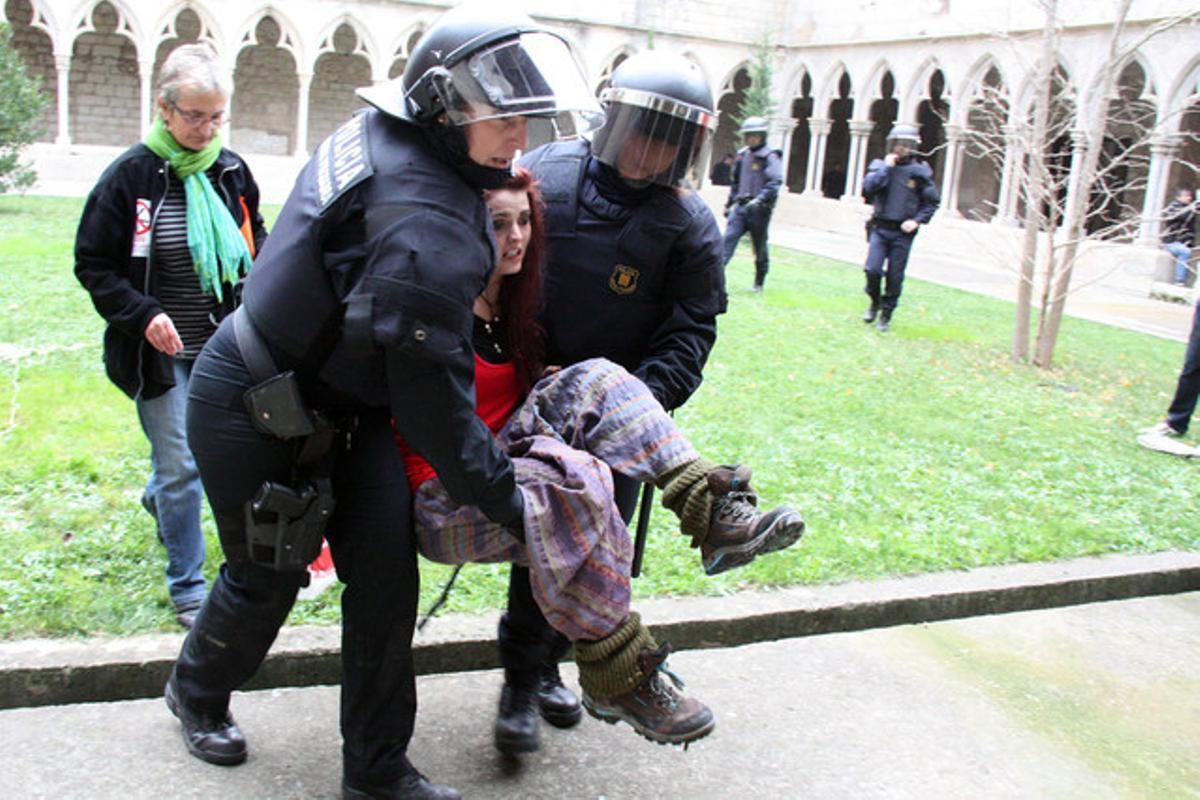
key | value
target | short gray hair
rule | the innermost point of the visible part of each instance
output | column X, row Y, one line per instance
column 194, row 66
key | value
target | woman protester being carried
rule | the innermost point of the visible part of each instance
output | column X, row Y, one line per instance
column 567, row 431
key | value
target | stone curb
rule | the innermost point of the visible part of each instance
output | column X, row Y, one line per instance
column 54, row 672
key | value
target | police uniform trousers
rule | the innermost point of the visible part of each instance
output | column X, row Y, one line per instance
column 755, row 222
column 891, row 245
column 370, row 536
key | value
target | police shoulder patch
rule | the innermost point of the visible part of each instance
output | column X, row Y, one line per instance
column 341, row 161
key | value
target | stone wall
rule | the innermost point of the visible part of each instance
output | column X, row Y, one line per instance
column 331, row 95
column 104, row 90
column 265, row 96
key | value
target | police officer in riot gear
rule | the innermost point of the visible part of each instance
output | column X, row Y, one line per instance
column 757, row 176
column 634, row 274
column 900, row 187
column 357, row 313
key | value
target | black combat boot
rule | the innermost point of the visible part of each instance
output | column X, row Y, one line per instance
column 412, row 785
column 558, row 704
column 517, row 720
column 214, row 738
column 871, row 313
column 885, row 322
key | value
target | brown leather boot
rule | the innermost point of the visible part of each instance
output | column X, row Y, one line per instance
column 653, row 707
column 738, row 532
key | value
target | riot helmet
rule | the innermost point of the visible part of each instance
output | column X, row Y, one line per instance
column 480, row 61
column 903, row 134
column 659, row 120
column 754, row 125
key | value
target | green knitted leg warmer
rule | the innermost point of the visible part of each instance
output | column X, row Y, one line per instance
column 609, row 667
column 685, row 492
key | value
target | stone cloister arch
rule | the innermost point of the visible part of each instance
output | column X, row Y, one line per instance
column 800, row 137
column 1118, row 194
column 835, row 161
column 729, row 101
column 343, row 64
column 402, row 51
column 105, row 91
column 985, row 148
column 33, row 39
column 267, row 89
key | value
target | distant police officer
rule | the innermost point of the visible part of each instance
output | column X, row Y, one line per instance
column 634, row 274
column 902, row 190
column 757, row 176
column 359, row 311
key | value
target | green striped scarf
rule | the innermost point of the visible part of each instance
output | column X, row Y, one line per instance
column 218, row 249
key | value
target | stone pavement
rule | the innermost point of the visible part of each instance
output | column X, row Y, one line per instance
column 1088, row 701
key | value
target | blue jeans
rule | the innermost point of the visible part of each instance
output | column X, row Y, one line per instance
column 1182, row 253
column 174, row 490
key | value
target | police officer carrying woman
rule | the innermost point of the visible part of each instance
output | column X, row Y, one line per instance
column 633, row 274
column 357, row 312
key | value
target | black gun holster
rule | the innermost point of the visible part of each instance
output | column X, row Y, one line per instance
column 286, row 524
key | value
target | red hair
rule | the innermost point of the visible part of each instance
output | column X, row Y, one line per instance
column 521, row 294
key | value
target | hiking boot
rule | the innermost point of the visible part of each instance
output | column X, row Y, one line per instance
column 739, row 532
column 516, row 728
column 654, row 708
column 214, row 738
column 870, row 314
column 558, row 705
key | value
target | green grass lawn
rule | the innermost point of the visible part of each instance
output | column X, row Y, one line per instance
column 922, row 449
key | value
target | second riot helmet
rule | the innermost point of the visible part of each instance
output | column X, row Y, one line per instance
column 754, row 126
column 904, row 134
column 659, row 119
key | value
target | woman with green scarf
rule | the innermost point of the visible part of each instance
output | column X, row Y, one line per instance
column 170, row 227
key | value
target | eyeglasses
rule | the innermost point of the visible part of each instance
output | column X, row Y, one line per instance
column 197, row 118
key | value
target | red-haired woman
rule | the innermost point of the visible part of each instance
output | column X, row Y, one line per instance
column 567, row 430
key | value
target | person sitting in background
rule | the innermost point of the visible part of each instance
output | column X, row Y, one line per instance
column 1179, row 232
column 568, row 431
column 171, row 225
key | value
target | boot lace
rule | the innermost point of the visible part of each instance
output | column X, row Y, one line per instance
column 736, row 507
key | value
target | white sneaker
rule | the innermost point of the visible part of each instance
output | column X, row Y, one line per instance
column 1161, row 429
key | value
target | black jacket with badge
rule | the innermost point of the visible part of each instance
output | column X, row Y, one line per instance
column 901, row 192
column 633, row 275
column 365, row 290
column 756, row 177
column 114, row 258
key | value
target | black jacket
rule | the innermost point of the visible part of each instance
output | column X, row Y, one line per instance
column 634, row 276
column 1179, row 223
column 122, row 284
column 365, row 291
column 903, row 192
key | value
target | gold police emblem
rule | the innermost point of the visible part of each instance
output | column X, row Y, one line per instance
column 912, row 183
column 624, row 279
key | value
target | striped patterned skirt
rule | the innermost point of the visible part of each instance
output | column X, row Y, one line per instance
column 576, row 427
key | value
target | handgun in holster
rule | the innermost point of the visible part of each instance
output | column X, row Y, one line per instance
column 285, row 525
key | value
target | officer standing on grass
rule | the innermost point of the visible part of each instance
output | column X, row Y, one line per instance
column 358, row 316
column 754, row 185
column 901, row 188
column 633, row 274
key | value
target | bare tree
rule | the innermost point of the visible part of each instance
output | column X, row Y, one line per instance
column 1081, row 161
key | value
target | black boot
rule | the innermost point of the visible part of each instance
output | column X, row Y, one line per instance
column 410, row 786
column 214, row 738
column 517, row 720
column 870, row 314
column 885, row 322
column 558, row 704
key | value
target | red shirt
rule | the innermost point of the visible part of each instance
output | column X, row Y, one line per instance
column 498, row 392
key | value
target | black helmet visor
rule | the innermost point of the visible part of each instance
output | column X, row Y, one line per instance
column 649, row 138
